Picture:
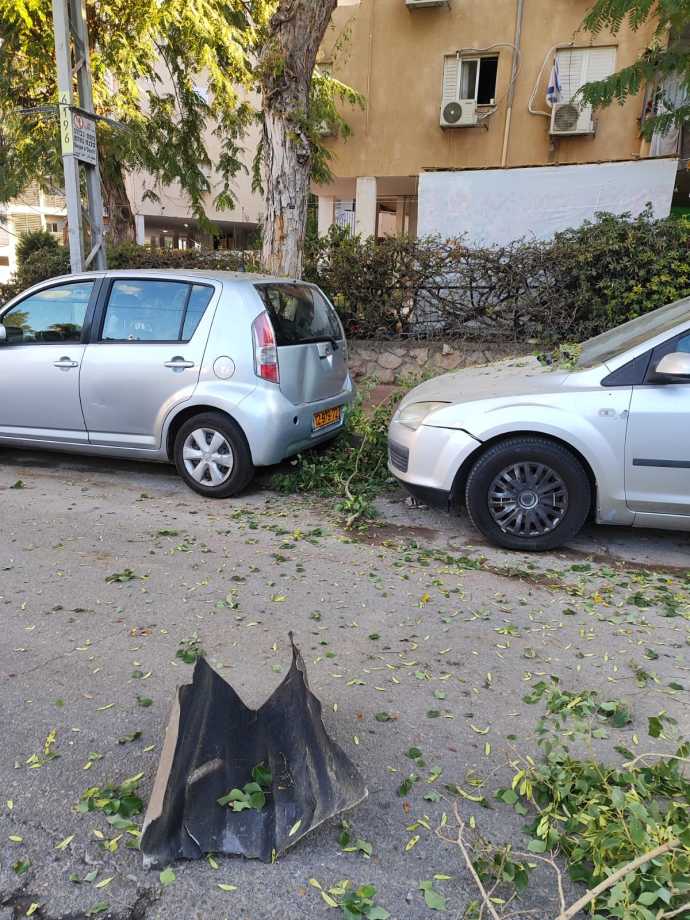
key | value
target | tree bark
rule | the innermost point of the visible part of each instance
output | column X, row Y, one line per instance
column 296, row 31
column 120, row 227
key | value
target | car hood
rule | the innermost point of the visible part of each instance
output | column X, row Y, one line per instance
column 515, row 377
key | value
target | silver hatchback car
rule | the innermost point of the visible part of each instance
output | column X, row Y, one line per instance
column 534, row 451
column 217, row 372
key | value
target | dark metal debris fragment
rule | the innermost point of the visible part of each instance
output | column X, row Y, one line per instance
column 212, row 743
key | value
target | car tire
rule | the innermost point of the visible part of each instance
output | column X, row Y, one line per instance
column 528, row 493
column 212, row 455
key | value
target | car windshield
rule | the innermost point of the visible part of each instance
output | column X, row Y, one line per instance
column 609, row 344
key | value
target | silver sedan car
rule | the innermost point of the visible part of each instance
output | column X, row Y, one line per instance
column 535, row 451
column 217, row 372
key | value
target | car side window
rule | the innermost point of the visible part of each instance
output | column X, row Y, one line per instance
column 149, row 310
column 55, row 314
column 199, row 299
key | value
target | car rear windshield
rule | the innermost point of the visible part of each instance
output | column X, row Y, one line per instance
column 300, row 314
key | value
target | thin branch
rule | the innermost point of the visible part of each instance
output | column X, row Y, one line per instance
column 617, row 875
column 675, row 913
column 559, row 875
column 631, row 763
column 468, row 863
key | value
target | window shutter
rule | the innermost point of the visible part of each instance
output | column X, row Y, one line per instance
column 578, row 66
column 26, row 223
column 451, row 74
column 571, row 65
column 600, row 63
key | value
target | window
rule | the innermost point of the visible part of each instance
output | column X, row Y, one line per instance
column 198, row 301
column 299, row 314
column 470, row 78
column 26, row 223
column 154, row 311
column 469, row 71
column 577, row 66
column 53, row 315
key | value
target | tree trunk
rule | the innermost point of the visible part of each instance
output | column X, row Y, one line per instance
column 287, row 62
column 120, row 227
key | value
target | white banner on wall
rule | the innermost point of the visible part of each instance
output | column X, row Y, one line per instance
column 496, row 206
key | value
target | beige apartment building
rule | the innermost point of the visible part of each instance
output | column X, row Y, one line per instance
column 459, row 86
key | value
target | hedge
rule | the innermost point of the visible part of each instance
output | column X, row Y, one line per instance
column 47, row 261
column 578, row 284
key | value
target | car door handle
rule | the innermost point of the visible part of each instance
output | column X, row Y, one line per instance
column 179, row 363
column 65, row 362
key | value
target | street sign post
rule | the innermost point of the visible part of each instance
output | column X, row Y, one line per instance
column 78, row 134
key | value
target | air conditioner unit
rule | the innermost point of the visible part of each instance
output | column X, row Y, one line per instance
column 567, row 118
column 420, row 4
column 460, row 114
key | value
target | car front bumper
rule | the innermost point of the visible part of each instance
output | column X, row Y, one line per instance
column 427, row 461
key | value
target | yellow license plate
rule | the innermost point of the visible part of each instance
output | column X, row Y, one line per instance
column 326, row 417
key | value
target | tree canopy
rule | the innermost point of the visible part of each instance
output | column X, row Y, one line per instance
column 164, row 71
column 665, row 63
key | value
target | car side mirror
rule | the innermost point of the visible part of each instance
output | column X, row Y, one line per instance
column 3, row 334
column 673, row 368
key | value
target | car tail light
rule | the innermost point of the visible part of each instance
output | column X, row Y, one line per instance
column 265, row 349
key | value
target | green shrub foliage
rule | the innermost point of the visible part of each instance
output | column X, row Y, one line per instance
column 35, row 241
column 576, row 285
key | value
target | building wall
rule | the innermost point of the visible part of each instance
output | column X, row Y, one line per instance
column 173, row 203
column 33, row 210
column 394, row 57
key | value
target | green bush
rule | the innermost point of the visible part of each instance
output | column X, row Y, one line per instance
column 41, row 264
column 7, row 291
column 129, row 255
column 35, row 241
column 38, row 263
column 578, row 284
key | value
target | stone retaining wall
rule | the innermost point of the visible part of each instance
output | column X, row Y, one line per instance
column 391, row 361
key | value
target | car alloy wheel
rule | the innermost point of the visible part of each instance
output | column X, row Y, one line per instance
column 528, row 499
column 208, row 457
column 528, row 492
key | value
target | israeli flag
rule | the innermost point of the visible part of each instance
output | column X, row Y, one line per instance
column 553, row 93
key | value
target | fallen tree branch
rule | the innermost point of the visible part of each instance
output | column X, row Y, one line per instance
column 468, row 863
column 631, row 763
column 616, row 876
column 559, row 875
column 684, row 908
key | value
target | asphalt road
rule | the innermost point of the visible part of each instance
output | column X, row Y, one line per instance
column 416, row 619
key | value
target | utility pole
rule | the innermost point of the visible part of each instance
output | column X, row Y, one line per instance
column 78, row 134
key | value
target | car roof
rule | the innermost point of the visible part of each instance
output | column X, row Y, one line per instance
column 210, row 274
